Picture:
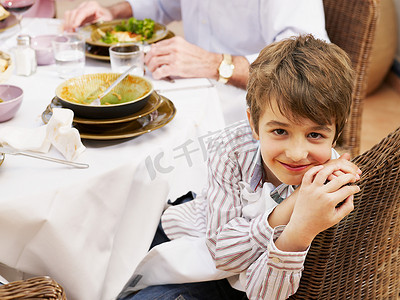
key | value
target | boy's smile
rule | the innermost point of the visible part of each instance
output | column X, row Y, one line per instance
column 289, row 149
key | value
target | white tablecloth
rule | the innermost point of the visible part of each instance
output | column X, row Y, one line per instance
column 88, row 228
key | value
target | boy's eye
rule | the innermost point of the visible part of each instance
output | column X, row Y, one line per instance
column 315, row 135
column 279, row 131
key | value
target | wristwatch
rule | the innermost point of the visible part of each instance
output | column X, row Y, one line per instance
column 225, row 69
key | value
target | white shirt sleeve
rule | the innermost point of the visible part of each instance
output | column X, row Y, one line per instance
column 161, row 11
column 285, row 18
column 276, row 274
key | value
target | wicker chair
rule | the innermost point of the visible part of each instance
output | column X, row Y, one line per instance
column 42, row 287
column 351, row 25
column 359, row 258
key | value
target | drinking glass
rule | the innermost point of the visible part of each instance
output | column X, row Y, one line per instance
column 69, row 54
column 124, row 56
column 17, row 7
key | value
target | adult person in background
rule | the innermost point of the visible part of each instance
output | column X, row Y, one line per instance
column 221, row 39
column 42, row 9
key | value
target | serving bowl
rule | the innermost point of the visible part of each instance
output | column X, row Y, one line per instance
column 42, row 44
column 11, row 98
column 127, row 98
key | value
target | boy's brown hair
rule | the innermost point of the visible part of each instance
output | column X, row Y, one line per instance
column 307, row 77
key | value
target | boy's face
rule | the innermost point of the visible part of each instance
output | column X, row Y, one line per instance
column 290, row 149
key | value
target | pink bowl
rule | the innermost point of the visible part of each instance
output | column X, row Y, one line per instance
column 43, row 48
column 12, row 99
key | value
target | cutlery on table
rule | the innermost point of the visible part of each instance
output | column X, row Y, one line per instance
column 7, row 150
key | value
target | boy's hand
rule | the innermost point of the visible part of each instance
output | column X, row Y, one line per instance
column 346, row 166
column 282, row 213
column 316, row 207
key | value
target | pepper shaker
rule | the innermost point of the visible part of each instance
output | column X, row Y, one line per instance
column 25, row 57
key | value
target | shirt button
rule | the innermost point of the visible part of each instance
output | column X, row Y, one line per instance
column 275, row 260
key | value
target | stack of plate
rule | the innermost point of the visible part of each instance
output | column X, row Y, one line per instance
column 97, row 49
column 158, row 112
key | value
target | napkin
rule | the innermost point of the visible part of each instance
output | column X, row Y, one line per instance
column 181, row 84
column 58, row 132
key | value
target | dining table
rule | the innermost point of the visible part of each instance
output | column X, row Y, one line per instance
column 88, row 228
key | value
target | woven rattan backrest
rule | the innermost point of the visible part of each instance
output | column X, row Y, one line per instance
column 360, row 257
column 41, row 287
column 351, row 25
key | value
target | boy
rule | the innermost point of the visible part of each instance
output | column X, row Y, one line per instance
column 274, row 183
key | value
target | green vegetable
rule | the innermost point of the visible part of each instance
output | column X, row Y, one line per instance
column 109, row 38
column 143, row 27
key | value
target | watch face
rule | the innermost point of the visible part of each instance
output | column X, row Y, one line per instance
column 226, row 70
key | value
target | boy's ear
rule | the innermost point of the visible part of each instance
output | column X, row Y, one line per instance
column 253, row 129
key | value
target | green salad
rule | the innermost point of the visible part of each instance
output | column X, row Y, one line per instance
column 132, row 30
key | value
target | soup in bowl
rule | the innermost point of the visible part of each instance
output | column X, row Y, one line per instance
column 127, row 98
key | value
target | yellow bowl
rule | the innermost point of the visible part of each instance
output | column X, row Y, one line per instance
column 128, row 97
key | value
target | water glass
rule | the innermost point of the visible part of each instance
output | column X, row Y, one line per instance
column 69, row 54
column 123, row 56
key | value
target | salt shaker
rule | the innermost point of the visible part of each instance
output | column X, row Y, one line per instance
column 25, row 57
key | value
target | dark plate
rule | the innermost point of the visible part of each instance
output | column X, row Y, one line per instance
column 152, row 104
column 155, row 120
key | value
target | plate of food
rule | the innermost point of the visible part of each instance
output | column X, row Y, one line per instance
column 128, row 97
column 8, row 22
column 3, row 13
column 102, row 52
column 6, row 66
column 130, row 30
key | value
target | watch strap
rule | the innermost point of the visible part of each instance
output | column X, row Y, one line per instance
column 226, row 59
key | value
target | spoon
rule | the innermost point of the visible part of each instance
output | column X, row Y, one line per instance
column 113, row 85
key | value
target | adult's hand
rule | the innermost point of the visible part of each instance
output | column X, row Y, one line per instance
column 86, row 12
column 91, row 11
column 176, row 57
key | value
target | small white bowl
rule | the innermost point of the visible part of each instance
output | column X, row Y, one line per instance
column 11, row 97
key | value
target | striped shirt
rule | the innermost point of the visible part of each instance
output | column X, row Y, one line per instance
column 237, row 243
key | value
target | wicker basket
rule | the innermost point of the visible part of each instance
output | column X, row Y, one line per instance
column 42, row 287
